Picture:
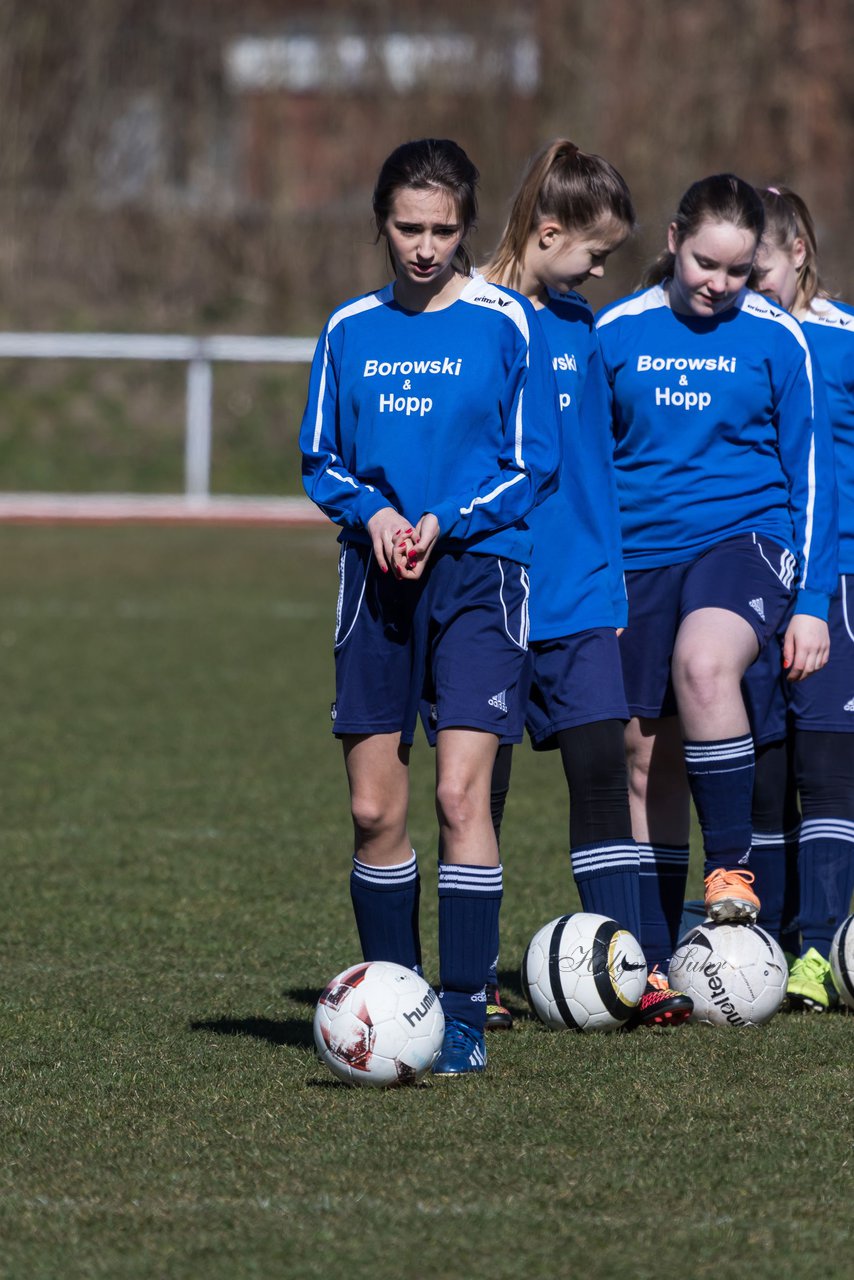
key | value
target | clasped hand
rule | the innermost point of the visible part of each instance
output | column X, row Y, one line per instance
column 400, row 547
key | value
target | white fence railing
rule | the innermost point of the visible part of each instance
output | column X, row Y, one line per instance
column 199, row 355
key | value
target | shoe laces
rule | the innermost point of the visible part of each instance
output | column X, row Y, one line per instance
column 460, row 1035
column 721, row 879
column 656, row 979
column 812, row 966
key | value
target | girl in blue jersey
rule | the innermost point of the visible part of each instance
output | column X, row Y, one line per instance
column 430, row 432
column 820, row 712
column 572, row 210
column 717, row 474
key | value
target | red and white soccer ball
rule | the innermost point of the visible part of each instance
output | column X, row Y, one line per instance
column 842, row 961
column 584, row 972
column 379, row 1024
column 736, row 974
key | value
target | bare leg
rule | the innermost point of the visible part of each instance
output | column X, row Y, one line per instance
column 470, row 883
column 384, row 882
column 378, row 773
column 464, row 762
column 713, row 649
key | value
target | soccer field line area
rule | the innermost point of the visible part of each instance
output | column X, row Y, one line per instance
column 294, row 1204
column 142, row 610
column 166, row 508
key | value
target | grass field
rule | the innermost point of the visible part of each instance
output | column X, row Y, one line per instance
column 175, row 846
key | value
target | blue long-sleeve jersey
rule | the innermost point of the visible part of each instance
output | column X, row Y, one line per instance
column 715, row 424
column 451, row 411
column 829, row 326
column 577, row 570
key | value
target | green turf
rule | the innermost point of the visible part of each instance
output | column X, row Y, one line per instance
column 93, row 426
column 175, row 848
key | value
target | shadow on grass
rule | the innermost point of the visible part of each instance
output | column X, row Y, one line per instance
column 510, row 986
column 291, row 1031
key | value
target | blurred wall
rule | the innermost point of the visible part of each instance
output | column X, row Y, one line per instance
column 202, row 165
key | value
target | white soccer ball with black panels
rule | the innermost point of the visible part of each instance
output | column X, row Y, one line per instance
column 379, row 1024
column 735, row 973
column 842, row 961
column 584, row 972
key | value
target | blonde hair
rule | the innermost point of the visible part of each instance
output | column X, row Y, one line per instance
column 788, row 219
column 574, row 187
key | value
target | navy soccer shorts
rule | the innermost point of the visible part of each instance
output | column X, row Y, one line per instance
column 575, row 680
column 825, row 700
column 748, row 575
column 453, row 644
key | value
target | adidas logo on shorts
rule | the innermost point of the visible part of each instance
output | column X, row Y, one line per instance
column 849, row 706
column 499, row 701
column 758, row 606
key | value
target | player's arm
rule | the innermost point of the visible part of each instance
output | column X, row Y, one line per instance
column 327, row 481
column 806, row 452
column 595, row 413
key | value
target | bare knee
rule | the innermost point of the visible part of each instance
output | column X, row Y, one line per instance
column 701, row 676
column 376, row 817
column 458, row 803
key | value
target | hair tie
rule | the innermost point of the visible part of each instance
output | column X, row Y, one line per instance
column 775, row 192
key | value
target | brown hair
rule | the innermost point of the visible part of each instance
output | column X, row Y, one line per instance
column 721, row 198
column 787, row 219
column 424, row 163
column 574, row 187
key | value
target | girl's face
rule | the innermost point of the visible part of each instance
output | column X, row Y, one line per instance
column 423, row 231
column 776, row 271
column 569, row 258
column 711, row 267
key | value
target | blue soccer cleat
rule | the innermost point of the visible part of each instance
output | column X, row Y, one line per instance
column 463, row 1050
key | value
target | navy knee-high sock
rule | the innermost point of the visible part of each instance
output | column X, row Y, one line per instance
column 824, row 763
column 605, row 860
column 721, row 778
column 776, row 822
column 825, row 861
column 607, row 875
column 469, row 902
column 385, row 902
column 663, row 875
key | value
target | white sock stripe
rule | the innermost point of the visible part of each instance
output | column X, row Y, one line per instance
column 614, row 865
column 654, row 860
column 761, row 838
column 827, row 829
column 700, row 753
column 399, row 873
column 611, row 856
column 473, row 879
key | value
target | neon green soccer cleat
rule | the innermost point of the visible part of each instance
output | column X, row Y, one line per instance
column 811, row 986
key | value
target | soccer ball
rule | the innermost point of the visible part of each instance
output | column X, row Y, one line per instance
column 842, row 961
column 584, row 972
column 379, row 1024
column 736, row 974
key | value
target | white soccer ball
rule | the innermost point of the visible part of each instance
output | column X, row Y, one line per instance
column 379, row 1024
column 842, row 961
column 736, row 974
column 584, row 972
